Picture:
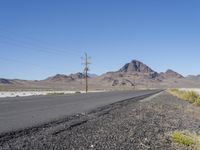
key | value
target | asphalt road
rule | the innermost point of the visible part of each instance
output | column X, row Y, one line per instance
column 23, row 112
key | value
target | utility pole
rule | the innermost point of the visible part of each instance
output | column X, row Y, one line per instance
column 86, row 69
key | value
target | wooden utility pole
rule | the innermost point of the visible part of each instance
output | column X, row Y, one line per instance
column 86, row 69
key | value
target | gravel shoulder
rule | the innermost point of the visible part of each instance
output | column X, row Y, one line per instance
column 131, row 124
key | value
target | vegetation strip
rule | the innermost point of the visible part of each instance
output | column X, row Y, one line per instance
column 186, row 139
column 190, row 96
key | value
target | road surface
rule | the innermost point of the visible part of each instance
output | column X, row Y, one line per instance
column 23, row 112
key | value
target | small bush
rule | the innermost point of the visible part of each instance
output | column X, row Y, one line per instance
column 189, row 96
column 180, row 138
column 197, row 102
column 174, row 90
column 186, row 139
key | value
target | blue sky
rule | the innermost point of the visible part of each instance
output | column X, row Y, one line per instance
column 39, row 38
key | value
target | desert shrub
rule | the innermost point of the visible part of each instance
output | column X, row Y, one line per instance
column 174, row 90
column 180, row 138
column 186, row 139
column 197, row 102
column 189, row 96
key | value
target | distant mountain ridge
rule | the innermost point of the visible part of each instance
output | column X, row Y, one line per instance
column 59, row 77
column 5, row 81
column 71, row 77
column 131, row 75
column 62, row 77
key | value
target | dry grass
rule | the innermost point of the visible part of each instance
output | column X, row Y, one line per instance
column 54, row 94
column 186, row 139
column 197, row 102
column 190, row 96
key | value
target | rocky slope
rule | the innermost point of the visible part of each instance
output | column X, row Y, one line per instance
column 136, row 66
column 171, row 74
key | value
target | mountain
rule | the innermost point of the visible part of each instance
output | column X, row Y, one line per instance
column 66, row 78
column 136, row 66
column 5, row 81
column 131, row 74
column 59, row 78
column 171, row 74
column 136, row 73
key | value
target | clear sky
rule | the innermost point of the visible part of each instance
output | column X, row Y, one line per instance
column 39, row 38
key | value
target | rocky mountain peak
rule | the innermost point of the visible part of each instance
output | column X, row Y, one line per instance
column 170, row 71
column 136, row 66
column 171, row 74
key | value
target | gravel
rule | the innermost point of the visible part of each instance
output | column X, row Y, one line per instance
column 132, row 124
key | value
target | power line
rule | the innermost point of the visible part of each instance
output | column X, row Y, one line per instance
column 24, row 63
column 3, row 29
column 30, row 43
column 25, row 46
column 33, row 48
